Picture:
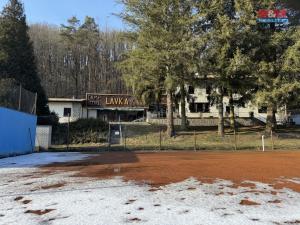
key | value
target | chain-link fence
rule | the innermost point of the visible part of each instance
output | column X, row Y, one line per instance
column 77, row 135
column 14, row 96
column 97, row 135
column 144, row 136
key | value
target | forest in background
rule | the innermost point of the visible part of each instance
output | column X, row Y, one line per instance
column 78, row 58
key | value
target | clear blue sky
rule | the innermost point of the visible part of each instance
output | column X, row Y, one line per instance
column 58, row 11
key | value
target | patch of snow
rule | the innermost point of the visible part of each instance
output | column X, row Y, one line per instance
column 114, row 202
column 39, row 159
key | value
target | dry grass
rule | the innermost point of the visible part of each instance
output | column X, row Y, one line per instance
column 148, row 138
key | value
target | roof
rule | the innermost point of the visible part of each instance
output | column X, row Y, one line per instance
column 120, row 108
column 65, row 100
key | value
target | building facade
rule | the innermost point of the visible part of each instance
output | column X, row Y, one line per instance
column 115, row 107
column 198, row 105
column 106, row 107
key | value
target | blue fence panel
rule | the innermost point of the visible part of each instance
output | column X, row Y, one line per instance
column 17, row 132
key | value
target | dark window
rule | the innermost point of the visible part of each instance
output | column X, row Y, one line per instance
column 208, row 90
column 199, row 108
column 262, row 109
column 206, row 107
column 67, row 112
column 191, row 90
column 243, row 105
column 225, row 90
column 99, row 114
column 227, row 109
column 192, row 107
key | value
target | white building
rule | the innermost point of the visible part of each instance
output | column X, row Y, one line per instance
column 102, row 106
column 67, row 108
column 127, row 108
column 198, row 106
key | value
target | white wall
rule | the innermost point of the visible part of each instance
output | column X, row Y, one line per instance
column 200, row 96
column 58, row 108
column 43, row 137
column 92, row 113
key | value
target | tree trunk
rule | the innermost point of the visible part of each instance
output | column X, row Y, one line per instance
column 76, row 87
column 170, row 119
column 183, row 110
column 221, row 131
column 232, row 115
column 271, row 119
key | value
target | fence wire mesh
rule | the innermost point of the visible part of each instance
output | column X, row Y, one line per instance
column 152, row 137
column 142, row 136
column 14, row 96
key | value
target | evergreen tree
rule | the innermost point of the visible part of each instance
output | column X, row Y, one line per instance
column 19, row 62
column 165, row 45
column 229, row 29
column 70, row 35
column 276, row 62
column 278, row 74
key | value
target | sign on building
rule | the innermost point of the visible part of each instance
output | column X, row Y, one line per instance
column 114, row 100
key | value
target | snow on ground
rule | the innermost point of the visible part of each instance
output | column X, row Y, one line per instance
column 24, row 194
column 39, row 159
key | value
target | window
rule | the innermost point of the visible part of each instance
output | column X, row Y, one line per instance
column 199, row 108
column 243, row 105
column 208, row 90
column 99, row 114
column 227, row 109
column 262, row 109
column 191, row 90
column 225, row 91
column 67, row 112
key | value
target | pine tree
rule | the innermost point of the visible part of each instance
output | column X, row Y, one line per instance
column 165, row 45
column 278, row 74
column 277, row 62
column 70, row 35
column 228, row 27
column 19, row 63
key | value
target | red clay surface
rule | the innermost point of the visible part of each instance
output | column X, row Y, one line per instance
column 248, row 202
column 169, row 167
column 39, row 212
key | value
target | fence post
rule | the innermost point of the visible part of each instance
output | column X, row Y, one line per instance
column 159, row 138
column 120, row 129
column 263, row 142
column 125, row 138
column 109, row 131
column 68, row 134
column 20, row 97
column 235, row 141
column 195, row 141
column 272, row 140
column 35, row 103
column 30, row 136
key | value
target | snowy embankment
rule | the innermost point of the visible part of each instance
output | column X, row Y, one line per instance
column 30, row 197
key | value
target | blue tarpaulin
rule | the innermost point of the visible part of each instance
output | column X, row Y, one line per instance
column 17, row 132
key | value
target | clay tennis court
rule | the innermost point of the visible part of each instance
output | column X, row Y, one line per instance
column 191, row 188
column 159, row 169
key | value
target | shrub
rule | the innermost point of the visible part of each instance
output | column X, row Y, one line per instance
column 83, row 125
column 52, row 120
column 81, row 131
